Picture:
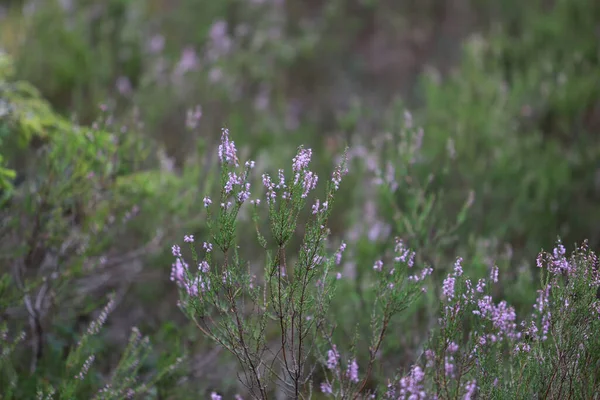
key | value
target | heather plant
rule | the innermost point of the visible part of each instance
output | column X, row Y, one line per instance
column 278, row 324
column 550, row 353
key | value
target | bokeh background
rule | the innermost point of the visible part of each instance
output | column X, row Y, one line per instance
column 111, row 111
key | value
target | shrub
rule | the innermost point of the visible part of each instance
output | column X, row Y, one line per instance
column 60, row 220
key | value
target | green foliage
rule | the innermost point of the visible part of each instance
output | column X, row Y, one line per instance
column 520, row 132
column 66, row 210
column 85, row 48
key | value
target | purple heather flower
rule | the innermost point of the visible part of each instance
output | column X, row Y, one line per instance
column 332, row 358
column 378, row 266
column 470, row 387
column 95, row 326
column 452, row 347
column 215, row 396
column 522, row 348
column 317, row 260
column 480, row 285
column 178, row 271
column 326, row 388
column 352, row 372
column 458, row 270
column 422, row 276
column 338, row 254
column 449, row 366
column 391, row 391
column 176, row 250
column 204, row 267
column 207, row 246
column 315, row 207
column 502, row 317
column 448, row 287
column 227, row 149
column 244, row 194
column 494, row 274
column 281, row 176
column 559, row 250
column 85, row 368
column 270, row 186
column 188, row 238
column 309, row 183
column 337, row 175
column 542, row 300
column 539, row 260
column 302, row 159
column 559, row 263
column 207, row 201
column 226, row 277
column 545, row 325
column 404, row 254
column 231, row 181
column 191, row 288
column 411, row 386
column 202, row 283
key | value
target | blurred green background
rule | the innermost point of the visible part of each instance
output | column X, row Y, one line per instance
column 110, row 113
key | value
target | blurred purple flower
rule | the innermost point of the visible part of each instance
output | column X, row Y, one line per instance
column 156, row 44
column 124, row 86
column 326, row 388
column 187, row 62
column 193, row 117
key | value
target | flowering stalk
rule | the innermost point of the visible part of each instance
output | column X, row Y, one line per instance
column 224, row 298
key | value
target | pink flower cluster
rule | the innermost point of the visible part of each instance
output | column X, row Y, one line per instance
column 180, row 271
column 302, row 175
